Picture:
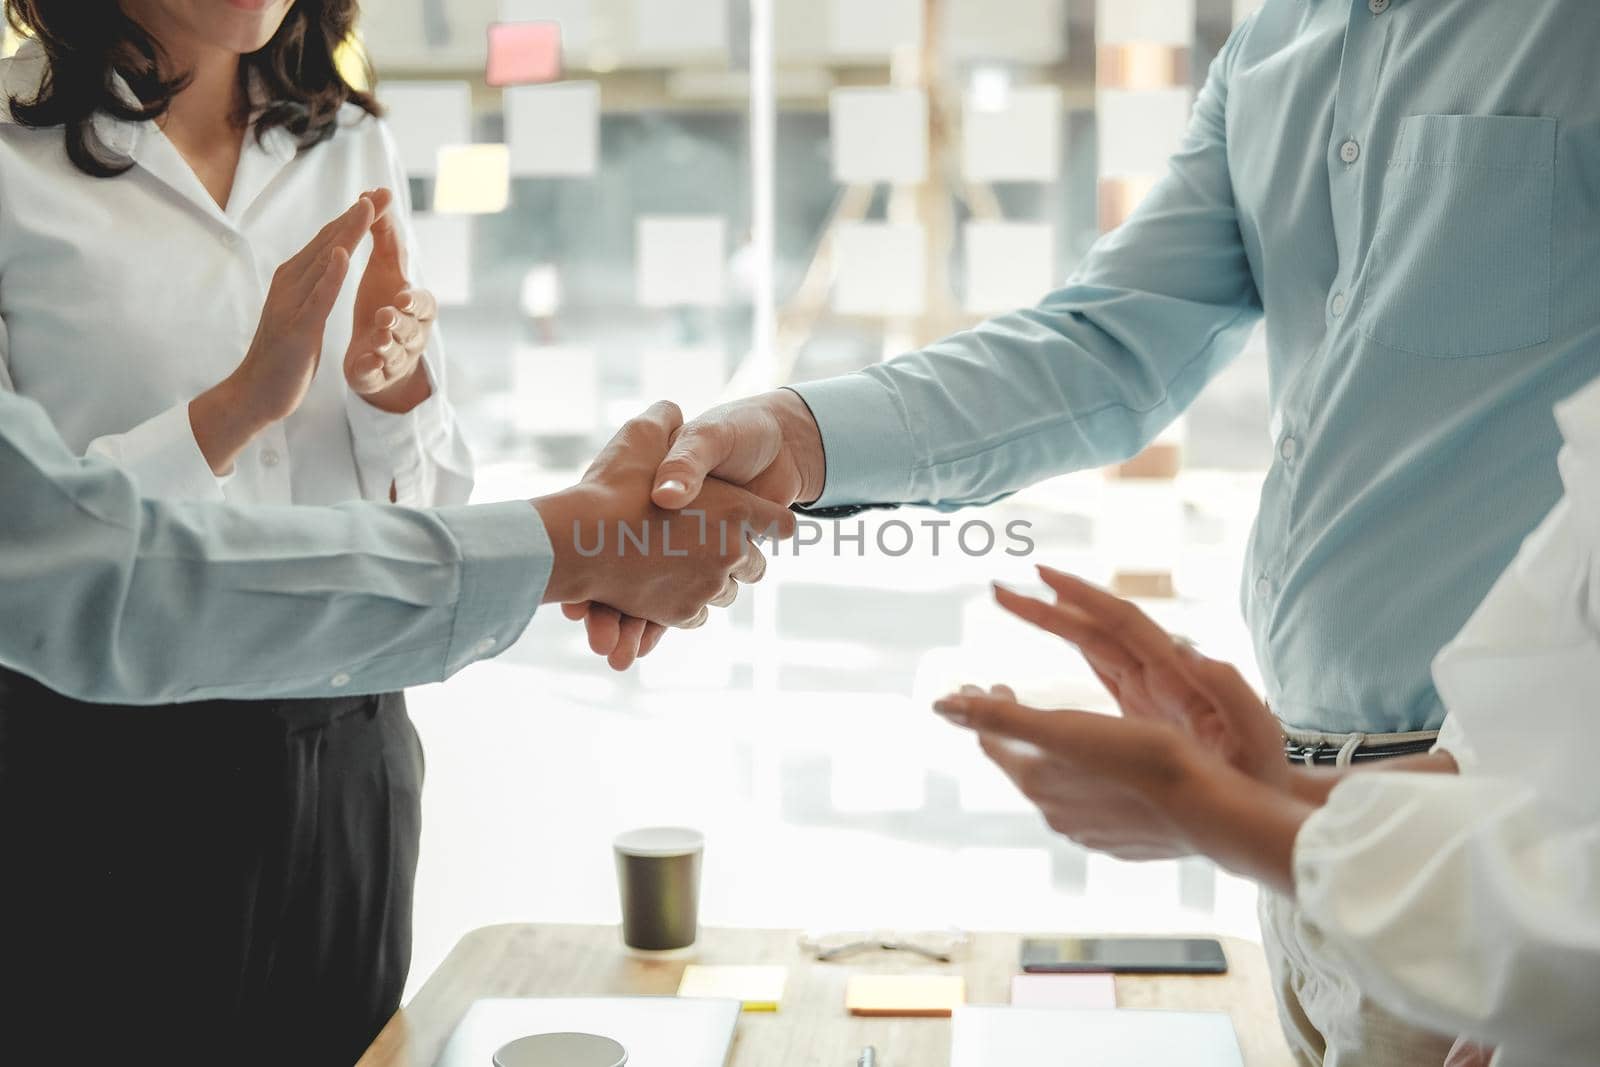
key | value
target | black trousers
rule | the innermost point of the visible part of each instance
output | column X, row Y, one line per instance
column 207, row 883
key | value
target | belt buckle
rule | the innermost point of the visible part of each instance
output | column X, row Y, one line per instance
column 1306, row 754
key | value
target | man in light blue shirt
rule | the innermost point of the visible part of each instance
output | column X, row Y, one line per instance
column 1409, row 192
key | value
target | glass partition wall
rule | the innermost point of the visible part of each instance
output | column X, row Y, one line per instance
column 620, row 201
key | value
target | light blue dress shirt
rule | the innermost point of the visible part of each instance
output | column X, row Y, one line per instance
column 1409, row 191
column 116, row 600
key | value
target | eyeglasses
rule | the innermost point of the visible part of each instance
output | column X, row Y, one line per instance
column 939, row 946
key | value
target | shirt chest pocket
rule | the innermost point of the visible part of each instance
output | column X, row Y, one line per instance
column 1460, row 262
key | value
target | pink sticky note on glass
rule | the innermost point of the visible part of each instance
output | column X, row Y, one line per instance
column 1064, row 991
column 523, row 53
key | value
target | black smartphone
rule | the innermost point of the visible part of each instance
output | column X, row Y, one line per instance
column 1123, row 955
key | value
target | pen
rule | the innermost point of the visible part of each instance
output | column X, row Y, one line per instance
column 869, row 1057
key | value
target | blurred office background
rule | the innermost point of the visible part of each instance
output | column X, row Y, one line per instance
column 620, row 201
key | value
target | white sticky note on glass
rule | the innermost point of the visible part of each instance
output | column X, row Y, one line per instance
column 573, row 15
column 1015, row 31
column 799, row 32
column 444, row 256
column 554, row 130
column 873, row 27
column 1009, row 265
column 424, row 116
column 879, row 135
column 1140, row 131
column 682, row 260
column 556, row 390
column 680, row 27
column 1019, row 140
column 1168, row 22
column 882, row 269
column 474, row 179
column 691, row 377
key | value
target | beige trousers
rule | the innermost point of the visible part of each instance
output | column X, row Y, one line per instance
column 1328, row 1020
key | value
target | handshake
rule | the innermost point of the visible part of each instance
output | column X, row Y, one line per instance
column 665, row 523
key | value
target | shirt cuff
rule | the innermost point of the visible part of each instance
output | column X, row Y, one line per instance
column 390, row 446
column 866, row 443
column 163, row 458
column 506, row 559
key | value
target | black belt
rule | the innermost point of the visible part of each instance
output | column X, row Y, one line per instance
column 1324, row 753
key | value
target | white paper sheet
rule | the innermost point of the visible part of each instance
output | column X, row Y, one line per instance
column 882, row 269
column 872, row 28
column 1009, row 264
column 656, row 1031
column 424, row 116
column 1014, row 31
column 985, row 1036
column 473, row 179
column 1169, row 22
column 1139, row 131
column 1020, row 141
column 554, row 130
column 557, row 390
column 879, row 135
column 444, row 256
column 680, row 27
column 682, row 260
column 691, row 377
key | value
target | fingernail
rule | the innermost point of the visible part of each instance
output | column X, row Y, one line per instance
column 951, row 710
column 671, row 485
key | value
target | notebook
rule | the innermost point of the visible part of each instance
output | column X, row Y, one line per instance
column 656, row 1031
column 1005, row 1037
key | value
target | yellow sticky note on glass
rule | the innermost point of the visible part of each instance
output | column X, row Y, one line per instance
column 919, row 995
column 474, row 179
column 757, row 988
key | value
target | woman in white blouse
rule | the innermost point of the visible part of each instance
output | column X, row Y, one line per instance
column 1469, row 902
column 238, row 876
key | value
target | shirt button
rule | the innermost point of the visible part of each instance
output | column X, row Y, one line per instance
column 1338, row 304
column 484, row 646
column 1350, row 151
column 1289, row 449
column 230, row 239
column 340, row 680
column 1378, row 7
column 270, row 457
column 1263, row 588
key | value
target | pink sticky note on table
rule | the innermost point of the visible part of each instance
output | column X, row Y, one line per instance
column 523, row 53
column 1064, row 991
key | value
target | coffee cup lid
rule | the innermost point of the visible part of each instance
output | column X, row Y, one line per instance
column 561, row 1050
column 661, row 841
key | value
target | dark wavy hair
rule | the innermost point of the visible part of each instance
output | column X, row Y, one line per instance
column 86, row 42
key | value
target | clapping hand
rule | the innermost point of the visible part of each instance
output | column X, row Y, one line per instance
column 393, row 322
column 1194, row 764
column 1155, row 677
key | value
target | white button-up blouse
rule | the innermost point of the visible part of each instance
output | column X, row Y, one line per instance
column 122, row 299
column 1472, row 903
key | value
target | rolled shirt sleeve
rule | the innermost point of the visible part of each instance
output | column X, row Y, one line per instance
column 117, row 599
column 1089, row 376
column 1463, row 904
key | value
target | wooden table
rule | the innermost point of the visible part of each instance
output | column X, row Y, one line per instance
column 813, row 1028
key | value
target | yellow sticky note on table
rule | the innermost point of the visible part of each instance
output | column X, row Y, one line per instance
column 921, row 995
column 757, row 988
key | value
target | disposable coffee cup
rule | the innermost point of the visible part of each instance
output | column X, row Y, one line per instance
column 658, row 879
column 561, row 1050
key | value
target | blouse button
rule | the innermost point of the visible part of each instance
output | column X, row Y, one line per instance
column 270, row 457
